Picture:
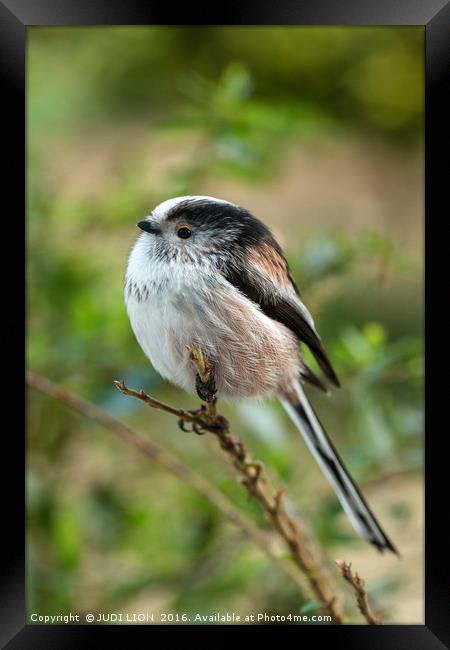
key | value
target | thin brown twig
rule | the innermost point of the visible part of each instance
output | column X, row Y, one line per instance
column 167, row 460
column 254, row 478
column 361, row 596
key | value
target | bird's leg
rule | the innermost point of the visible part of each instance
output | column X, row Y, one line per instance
column 205, row 385
column 206, row 390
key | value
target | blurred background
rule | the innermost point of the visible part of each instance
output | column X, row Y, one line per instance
column 317, row 131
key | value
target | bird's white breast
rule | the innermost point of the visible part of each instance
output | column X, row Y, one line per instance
column 162, row 303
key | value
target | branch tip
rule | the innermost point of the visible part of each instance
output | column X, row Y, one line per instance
column 355, row 580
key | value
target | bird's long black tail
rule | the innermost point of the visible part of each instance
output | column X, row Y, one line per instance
column 324, row 452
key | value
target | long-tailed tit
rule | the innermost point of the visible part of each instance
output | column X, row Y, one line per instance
column 206, row 273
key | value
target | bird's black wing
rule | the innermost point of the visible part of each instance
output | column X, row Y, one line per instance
column 260, row 289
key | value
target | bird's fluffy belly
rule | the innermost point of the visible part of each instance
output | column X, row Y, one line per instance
column 251, row 354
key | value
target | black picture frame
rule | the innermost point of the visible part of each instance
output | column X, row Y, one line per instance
column 15, row 17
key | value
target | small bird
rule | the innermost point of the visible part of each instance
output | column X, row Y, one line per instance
column 207, row 273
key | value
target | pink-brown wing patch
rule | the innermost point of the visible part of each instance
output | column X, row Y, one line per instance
column 271, row 263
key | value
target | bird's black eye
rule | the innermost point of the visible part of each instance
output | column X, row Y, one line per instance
column 184, row 232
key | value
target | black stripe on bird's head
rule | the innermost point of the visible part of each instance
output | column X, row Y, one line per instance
column 233, row 224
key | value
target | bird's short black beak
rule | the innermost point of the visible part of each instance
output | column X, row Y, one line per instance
column 148, row 227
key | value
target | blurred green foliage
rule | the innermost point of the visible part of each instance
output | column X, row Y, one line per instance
column 107, row 529
column 370, row 77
